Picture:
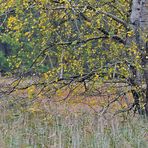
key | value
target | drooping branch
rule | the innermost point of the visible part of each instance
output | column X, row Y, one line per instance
column 114, row 37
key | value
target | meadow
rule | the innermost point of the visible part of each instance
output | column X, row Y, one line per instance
column 71, row 123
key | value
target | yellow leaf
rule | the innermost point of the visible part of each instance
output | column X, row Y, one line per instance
column 45, row 76
column 130, row 33
column 26, row 33
column 31, row 91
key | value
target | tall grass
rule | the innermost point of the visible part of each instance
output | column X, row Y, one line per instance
column 66, row 125
column 74, row 130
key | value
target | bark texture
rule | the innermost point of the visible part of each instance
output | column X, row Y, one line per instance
column 139, row 19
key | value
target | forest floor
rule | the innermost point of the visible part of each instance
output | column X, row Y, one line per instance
column 94, row 119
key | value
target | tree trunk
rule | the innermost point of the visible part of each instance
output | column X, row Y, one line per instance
column 139, row 19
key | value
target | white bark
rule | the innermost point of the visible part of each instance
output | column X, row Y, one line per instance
column 139, row 19
column 136, row 10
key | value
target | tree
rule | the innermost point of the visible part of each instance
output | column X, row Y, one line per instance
column 139, row 20
column 72, row 42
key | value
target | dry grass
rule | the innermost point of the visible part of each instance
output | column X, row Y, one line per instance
column 71, row 130
column 77, row 122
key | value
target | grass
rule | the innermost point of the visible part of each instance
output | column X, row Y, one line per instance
column 48, row 124
column 72, row 130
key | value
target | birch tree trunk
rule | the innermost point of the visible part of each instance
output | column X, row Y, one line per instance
column 139, row 19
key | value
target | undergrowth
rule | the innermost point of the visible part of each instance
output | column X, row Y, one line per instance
column 73, row 130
